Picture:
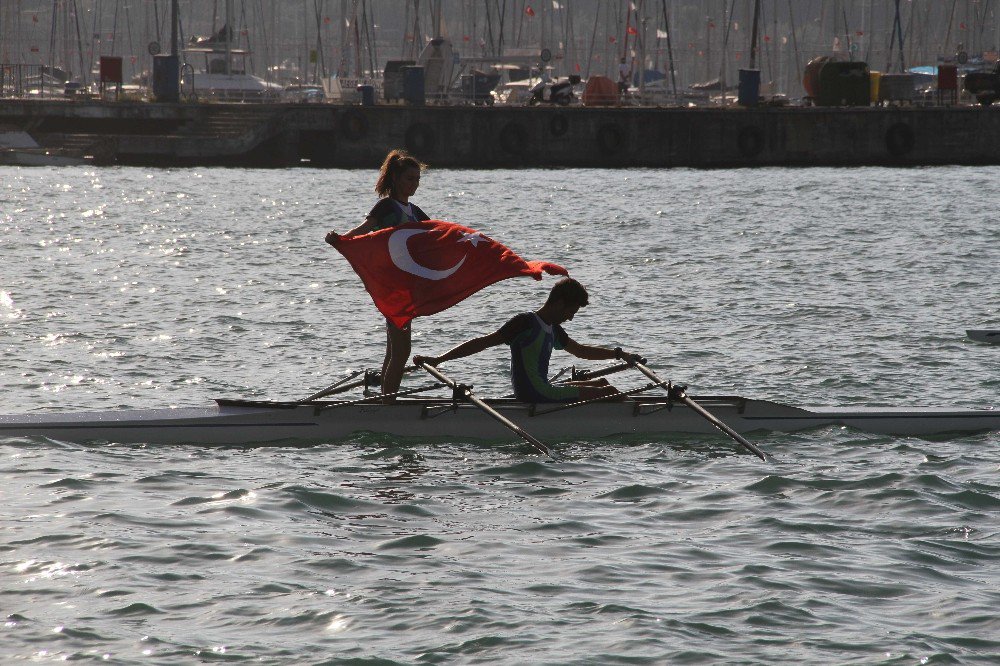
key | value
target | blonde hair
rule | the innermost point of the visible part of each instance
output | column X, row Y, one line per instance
column 396, row 162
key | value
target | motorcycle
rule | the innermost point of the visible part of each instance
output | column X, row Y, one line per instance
column 558, row 92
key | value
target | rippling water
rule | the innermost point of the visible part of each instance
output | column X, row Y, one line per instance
column 141, row 288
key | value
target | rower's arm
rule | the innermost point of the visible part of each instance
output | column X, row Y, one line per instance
column 592, row 353
column 588, row 352
column 468, row 348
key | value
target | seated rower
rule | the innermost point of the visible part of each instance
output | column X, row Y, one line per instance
column 532, row 336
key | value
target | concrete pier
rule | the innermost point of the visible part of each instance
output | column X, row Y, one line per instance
column 325, row 135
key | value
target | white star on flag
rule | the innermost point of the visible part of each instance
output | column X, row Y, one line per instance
column 473, row 238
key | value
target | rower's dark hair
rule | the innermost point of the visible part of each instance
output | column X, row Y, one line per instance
column 569, row 291
column 395, row 163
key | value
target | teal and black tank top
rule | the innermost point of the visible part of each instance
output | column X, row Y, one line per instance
column 531, row 343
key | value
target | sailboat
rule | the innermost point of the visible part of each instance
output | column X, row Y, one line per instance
column 222, row 73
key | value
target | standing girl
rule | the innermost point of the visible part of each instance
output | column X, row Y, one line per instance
column 398, row 179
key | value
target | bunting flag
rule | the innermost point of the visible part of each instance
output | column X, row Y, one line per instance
column 420, row 268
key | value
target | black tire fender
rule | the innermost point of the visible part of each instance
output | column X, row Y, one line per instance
column 900, row 139
column 420, row 139
column 354, row 125
column 750, row 141
column 610, row 139
column 559, row 124
column 513, row 139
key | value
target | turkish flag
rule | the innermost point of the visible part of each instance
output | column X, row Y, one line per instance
column 419, row 268
column 529, row 11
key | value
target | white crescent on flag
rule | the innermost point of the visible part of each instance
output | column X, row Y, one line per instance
column 401, row 257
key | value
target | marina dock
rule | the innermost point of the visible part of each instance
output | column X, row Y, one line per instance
column 352, row 136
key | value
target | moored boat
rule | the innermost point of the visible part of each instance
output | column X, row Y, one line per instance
column 18, row 148
column 988, row 336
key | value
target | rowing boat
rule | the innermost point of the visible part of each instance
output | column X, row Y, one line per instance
column 239, row 422
column 991, row 337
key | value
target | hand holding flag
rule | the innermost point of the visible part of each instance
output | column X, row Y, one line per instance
column 420, row 268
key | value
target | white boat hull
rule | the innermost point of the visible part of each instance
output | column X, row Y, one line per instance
column 241, row 423
column 231, row 87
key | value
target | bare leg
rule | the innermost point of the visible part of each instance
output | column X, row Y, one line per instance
column 597, row 388
column 396, row 354
column 388, row 353
column 388, row 347
column 588, row 382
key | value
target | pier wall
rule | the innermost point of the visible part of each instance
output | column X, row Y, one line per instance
column 324, row 135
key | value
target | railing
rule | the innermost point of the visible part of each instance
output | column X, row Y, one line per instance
column 17, row 80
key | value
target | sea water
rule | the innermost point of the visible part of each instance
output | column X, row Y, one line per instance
column 130, row 288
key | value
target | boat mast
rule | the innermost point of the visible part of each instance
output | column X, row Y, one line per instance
column 897, row 29
column 728, row 16
column 795, row 46
column 775, row 52
column 67, row 58
column 357, row 39
column 670, row 49
column 436, row 17
column 174, row 16
column 84, row 74
column 753, row 34
column 52, row 42
column 709, row 24
column 593, row 39
column 229, row 37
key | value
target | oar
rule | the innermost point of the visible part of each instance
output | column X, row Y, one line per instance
column 603, row 398
column 466, row 392
column 340, row 387
column 336, row 387
column 680, row 394
column 378, row 398
column 600, row 372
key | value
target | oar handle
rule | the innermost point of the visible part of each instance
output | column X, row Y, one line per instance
column 599, row 372
column 681, row 394
column 467, row 394
column 340, row 386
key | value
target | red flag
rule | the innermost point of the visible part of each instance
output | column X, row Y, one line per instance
column 529, row 11
column 419, row 268
column 631, row 30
